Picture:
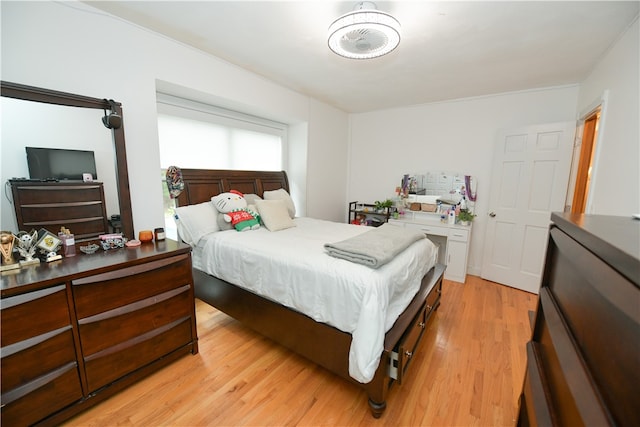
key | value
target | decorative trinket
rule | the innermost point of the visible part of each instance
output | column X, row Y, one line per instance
column 26, row 243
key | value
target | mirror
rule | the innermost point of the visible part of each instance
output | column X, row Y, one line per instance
column 446, row 187
column 54, row 120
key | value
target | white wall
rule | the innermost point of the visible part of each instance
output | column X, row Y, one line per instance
column 456, row 136
column 72, row 47
column 616, row 176
column 459, row 136
column 327, row 157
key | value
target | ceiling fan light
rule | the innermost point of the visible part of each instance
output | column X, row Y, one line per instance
column 364, row 34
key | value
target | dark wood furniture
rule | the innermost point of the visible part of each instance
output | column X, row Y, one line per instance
column 320, row 343
column 48, row 96
column 584, row 356
column 78, row 330
column 76, row 205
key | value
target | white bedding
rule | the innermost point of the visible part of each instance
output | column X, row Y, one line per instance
column 291, row 267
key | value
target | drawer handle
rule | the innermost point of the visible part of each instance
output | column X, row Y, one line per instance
column 408, row 354
column 429, row 307
column 421, row 324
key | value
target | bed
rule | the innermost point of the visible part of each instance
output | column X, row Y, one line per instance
column 310, row 335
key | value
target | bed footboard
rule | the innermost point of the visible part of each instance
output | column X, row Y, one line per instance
column 324, row 344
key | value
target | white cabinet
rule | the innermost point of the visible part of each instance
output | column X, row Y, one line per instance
column 453, row 242
column 456, row 261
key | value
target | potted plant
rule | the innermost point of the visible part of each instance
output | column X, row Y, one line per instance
column 465, row 217
column 381, row 206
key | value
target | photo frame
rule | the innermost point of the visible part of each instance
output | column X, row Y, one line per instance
column 47, row 241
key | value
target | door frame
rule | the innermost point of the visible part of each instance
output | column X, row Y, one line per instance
column 599, row 103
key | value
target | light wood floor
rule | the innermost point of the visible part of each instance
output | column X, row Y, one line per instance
column 468, row 371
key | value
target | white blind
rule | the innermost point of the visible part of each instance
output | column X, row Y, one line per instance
column 201, row 136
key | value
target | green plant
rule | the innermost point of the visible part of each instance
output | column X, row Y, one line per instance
column 384, row 204
column 466, row 215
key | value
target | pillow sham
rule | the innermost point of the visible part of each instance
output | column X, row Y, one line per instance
column 194, row 221
column 281, row 194
column 274, row 214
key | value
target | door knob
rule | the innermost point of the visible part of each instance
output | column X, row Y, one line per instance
column 492, row 214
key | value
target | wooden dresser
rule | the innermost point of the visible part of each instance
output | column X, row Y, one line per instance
column 583, row 361
column 78, row 330
column 76, row 205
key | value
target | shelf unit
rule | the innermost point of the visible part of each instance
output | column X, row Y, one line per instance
column 366, row 214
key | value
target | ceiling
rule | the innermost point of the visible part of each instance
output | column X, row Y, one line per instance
column 449, row 49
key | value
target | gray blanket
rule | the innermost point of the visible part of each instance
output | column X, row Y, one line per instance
column 376, row 247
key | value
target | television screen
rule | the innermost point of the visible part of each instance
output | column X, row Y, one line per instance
column 60, row 164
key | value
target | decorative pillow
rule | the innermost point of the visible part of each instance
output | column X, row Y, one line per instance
column 251, row 201
column 274, row 214
column 194, row 221
column 281, row 194
column 251, row 198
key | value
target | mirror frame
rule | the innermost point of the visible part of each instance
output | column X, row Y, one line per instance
column 36, row 94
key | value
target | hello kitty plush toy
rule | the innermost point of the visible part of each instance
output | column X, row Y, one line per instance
column 233, row 207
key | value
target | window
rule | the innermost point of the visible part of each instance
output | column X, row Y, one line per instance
column 200, row 136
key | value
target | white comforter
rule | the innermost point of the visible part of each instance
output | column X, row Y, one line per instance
column 291, row 267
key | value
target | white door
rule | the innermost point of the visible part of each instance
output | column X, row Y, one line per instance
column 530, row 175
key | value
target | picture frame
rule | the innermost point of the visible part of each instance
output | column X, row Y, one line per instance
column 47, row 241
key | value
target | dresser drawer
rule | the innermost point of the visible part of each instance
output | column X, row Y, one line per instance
column 89, row 228
column 104, row 292
column 433, row 298
column 45, row 396
column 434, row 230
column 106, row 366
column 534, row 407
column 458, row 235
column 62, row 212
column 35, row 313
column 45, row 194
column 571, row 398
column 409, row 342
column 27, row 360
column 114, row 327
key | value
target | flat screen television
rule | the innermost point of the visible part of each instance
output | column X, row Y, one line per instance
column 60, row 164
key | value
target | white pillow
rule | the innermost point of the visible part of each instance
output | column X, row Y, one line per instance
column 251, row 198
column 281, row 194
column 194, row 221
column 274, row 214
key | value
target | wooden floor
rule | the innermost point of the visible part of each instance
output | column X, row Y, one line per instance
column 468, row 371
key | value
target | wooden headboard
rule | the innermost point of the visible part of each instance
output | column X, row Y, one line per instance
column 202, row 184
